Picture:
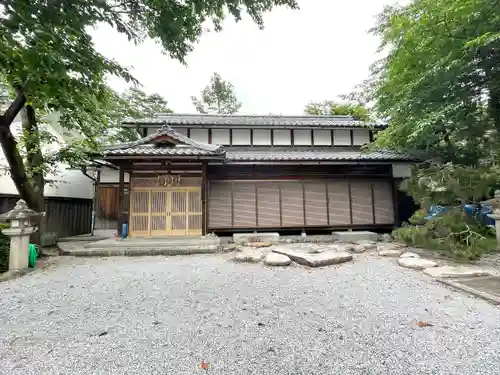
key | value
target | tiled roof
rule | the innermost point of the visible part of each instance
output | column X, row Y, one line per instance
column 331, row 154
column 145, row 146
column 253, row 120
column 178, row 150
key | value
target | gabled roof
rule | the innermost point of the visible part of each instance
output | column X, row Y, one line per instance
column 175, row 119
column 165, row 141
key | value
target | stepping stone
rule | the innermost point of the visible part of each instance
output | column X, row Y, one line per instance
column 325, row 258
column 416, row 263
column 275, row 259
column 353, row 248
column 248, row 256
column 459, row 271
column 409, row 254
column 390, row 252
column 368, row 245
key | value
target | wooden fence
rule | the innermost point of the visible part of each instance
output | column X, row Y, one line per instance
column 64, row 217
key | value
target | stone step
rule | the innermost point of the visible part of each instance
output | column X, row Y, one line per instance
column 146, row 246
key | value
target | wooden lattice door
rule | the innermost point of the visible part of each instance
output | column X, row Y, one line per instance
column 165, row 212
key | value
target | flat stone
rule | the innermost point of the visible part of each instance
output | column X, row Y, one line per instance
column 350, row 236
column 259, row 244
column 390, row 246
column 276, row 259
column 390, row 253
column 416, row 263
column 229, row 247
column 249, row 256
column 459, row 271
column 409, row 254
column 368, row 245
column 315, row 260
column 242, row 238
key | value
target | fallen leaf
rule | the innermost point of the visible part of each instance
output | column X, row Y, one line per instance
column 204, row 365
column 424, row 324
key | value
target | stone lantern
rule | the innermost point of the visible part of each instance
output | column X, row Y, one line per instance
column 494, row 203
column 21, row 227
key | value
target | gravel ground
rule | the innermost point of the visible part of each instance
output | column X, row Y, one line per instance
column 157, row 315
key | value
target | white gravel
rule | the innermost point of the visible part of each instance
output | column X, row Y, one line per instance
column 167, row 315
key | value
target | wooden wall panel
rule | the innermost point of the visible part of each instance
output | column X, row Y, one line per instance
column 339, row 202
column 268, row 205
column 292, row 204
column 315, row 203
column 244, row 205
column 384, row 205
column 220, row 205
column 300, row 204
column 361, row 202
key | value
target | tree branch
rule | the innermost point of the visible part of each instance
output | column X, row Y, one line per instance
column 15, row 107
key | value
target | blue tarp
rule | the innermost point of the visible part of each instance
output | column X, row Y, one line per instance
column 479, row 212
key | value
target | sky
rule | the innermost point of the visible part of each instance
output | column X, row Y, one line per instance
column 316, row 53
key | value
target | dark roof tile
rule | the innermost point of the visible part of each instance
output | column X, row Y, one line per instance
column 253, row 120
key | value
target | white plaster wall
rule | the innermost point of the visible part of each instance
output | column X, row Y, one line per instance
column 220, row 136
column 111, row 176
column 199, row 135
column 67, row 183
column 401, row 170
column 322, row 137
column 302, row 137
column 342, row 137
column 262, row 137
column 282, row 137
column 241, row 136
column 360, row 137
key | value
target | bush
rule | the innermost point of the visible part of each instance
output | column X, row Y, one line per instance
column 453, row 233
column 4, row 249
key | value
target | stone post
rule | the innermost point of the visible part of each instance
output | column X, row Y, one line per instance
column 21, row 227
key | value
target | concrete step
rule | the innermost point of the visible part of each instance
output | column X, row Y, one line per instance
column 147, row 246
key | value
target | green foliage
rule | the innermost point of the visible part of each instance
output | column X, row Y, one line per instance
column 328, row 107
column 439, row 85
column 217, row 97
column 4, row 249
column 451, row 184
column 452, row 233
column 48, row 62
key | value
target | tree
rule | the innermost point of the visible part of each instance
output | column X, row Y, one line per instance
column 329, row 107
column 49, row 63
column 439, row 85
column 134, row 103
column 217, row 97
column 439, row 88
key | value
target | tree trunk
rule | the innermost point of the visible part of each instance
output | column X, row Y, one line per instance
column 34, row 166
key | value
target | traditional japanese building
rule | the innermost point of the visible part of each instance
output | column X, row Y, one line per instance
column 196, row 174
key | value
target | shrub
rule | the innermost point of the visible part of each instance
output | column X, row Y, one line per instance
column 4, row 249
column 453, row 233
